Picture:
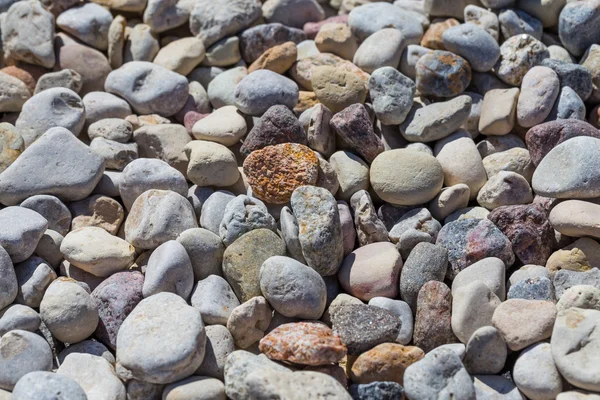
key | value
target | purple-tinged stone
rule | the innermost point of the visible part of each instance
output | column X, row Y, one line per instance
column 354, row 126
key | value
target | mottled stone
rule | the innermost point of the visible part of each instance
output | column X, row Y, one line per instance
column 337, row 88
column 278, row 59
column 518, row 55
column 369, row 228
column 532, row 289
column 385, row 362
column 249, row 321
column 565, row 279
column 433, row 316
column 303, row 70
column 442, row 74
column 376, row 391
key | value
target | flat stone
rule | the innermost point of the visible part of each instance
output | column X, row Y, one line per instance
column 213, row 209
column 223, row 53
column 370, row 18
column 23, row 229
column 498, row 112
column 486, row 352
column 162, row 16
column 87, row 22
column 303, row 71
column 334, row 36
column 433, row 317
column 524, row 322
column 157, row 318
column 43, row 384
column 497, row 144
column 535, row 373
column 352, row 173
column 164, row 141
column 515, row 159
column 141, row 44
column 574, row 347
column 94, row 374
column 518, row 55
column 491, row 271
column 149, row 88
column 22, row 352
column 385, row 362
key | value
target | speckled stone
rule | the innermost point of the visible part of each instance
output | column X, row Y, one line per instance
column 518, row 55
column 276, row 171
column 473, row 43
column 577, row 26
column 442, row 74
column 470, row 240
column 376, row 391
column 575, row 76
column 532, row 289
column 385, row 362
column 258, row 39
column 433, row 325
column 392, row 95
column 307, row 343
column 362, row 327
column 369, row 228
column 565, row 279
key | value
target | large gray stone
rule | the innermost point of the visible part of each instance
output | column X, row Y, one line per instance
column 9, row 286
column 22, row 230
column 392, row 94
column 205, row 250
column 170, row 270
column 43, row 385
column 261, row 89
column 22, row 352
column 372, row 17
column 242, row 215
column 88, row 22
column 215, row 300
column 33, row 276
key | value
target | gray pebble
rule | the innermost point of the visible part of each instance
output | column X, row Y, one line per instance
column 486, row 352
column 249, row 321
column 88, row 347
column 565, row 279
column 578, row 26
column 74, row 178
column 42, row 385
column 536, row 374
column 221, row 88
column 22, row 352
column 539, row 90
column 94, row 374
column 18, row 316
column 164, row 15
column 518, row 55
column 242, row 215
column 116, row 129
column 9, row 286
column 200, row 387
column 169, row 269
column 474, row 44
column 409, row 58
column 372, row 17
column 149, row 88
column 205, row 250
column 219, row 345
column 101, row 105
column 116, row 155
column 532, row 289
column 290, row 232
column 22, row 229
column 215, row 300
column 568, row 105
column 392, row 95
column 490, row 270
column 88, row 22
column 369, row 228
column 504, row 188
column 66, row 78
column 55, row 107
column 305, row 293
column 262, row 89
column 197, row 195
column 240, row 364
column 483, row 18
column 414, row 227
column 516, row 22
column 400, row 309
column 34, row 276
column 141, row 44
column 575, row 76
column 426, row 262
column 381, row 49
column 378, row 390
column 490, row 387
column 213, row 210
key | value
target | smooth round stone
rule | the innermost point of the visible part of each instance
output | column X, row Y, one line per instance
column 94, row 374
column 96, row 251
column 205, row 250
column 74, row 178
column 144, row 174
column 149, row 88
column 28, row 34
column 439, row 374
column 305, row 295
column 337, row 88
column 382, row 49
column 442, row 74
column 102, row 105
column 426, row 262
column 539, row 90
column 215, row 300
column 211, row 164
column 225, row 125
column 223, row 53
column 261, row 89
column 528, row 272
column 580, row 296
column 164, row 15
column 88, row 22
column 470, row 240
column 485, row 352
column 116, row 155
column 392, row 95
column 249, row 321
column 181, row 55
column 504, row 189
column 219, row 345
column 352, row 173
column 159, row 318
column 518, row 55
column 116, row 129
column 491, row 271
column 524, row 322
column 568, row 106
column 517, row 22
column 48, row 109
column 51, row 208
column 559, row 53
column 385, row 362
column 141, row 44
column 575, row 218
column 68, row 311
column 449, row 200
column 436, row 121
column 221, row 88
column 170, row 270
column 575, row 347
column 47, row 385
column 294, row 14
column 514, row 160
column 15, row 93
column 21, row 317
column 535, row 373
column 33, row 277
column 367, row 19
column 213, row 210
column 472, row 308
column 158, row 216
column 23, row 228
column 22, row 352
column 474, row 44
column 460, row 161
column 392, row 174
column 195, row 387
column 576, row 26
column 371, row 271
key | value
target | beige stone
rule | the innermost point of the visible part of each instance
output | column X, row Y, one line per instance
column 182, row 55
column 337, row 39
column 384, row 362
column 449, row 200
column 581, row 255
column 99, row 211
column 211, row 164
column 277, row 59
column 225, row 125
column 576, row 218
column 498, row 112
column 432, row 38
column 336, row 88
column 515, row 160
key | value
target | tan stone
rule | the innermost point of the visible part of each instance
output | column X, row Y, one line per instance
column 498, row 111
column 337, row 89
column 385, row 362
column 99, row 211
column 11, row 145
column 432, row 38
column 306, row 100
column 182, row 55
column 581, row 255
column 277, row 59
column 303, row 70
column 336, row 39
column 576, row 218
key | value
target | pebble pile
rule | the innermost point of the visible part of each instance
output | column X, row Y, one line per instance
column 300, row 199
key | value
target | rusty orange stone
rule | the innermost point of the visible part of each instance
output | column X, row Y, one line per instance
column 274, row 172
column 385, row 362
column 308, row 343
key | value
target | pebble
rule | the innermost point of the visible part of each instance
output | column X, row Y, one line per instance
column 535, row 373
column 241, row 363
column 473, row 305
column 181, row 55
column 337, row 88
column 385, row 362
column 574, row 347
column 22, row 353
column 279, row 58
column 362, row 327
column 205, row 250
column 215, row 300
column 524, row 322
column 88, row 347
column 470, row 240
column 294, row 385
column 352, row 173
column 518, row 55
column 354, row 126
column 392, row 95
column 439, row 374
column 101, row 105
column 225, row 125
column 442, row 74
column 376, row 390
column 200, row 387
column 433, row 316
column 319, row 135
column 43, row 384
column 432, row 39
column 219, row 345
column 426, row 262
column 162, row 16
column 369, row 228
column 491, row 271
column 391, row 177
column 568, row 106
column 436, row 121
column 169, row 269
column 539, row 90
column 565, row 279
column 400, row 309
column 575, row 218
column 87, row 22
column 15, row 93
column 575, row 27
column 116, row 129
column 116, row 296
column 498, row 112
column 449, row 200
column 517, row 22
column 95, row 376
column 52, row 209
column 149, row 88
column 17, row 316
column 303, row 70
column 409, row 59
column 97, row 211
column 371, row 271
column 249, row 321
column 504, row 189
column 158, row 216
column 580, row 296
column 157, row 318
column 369, row 18
column 336, row 38
column 574, row 76
column 68, row 311
column 381, row 49
column 473, row 43
column 11, row 145
column 253, row 96
column 66, row 78
column 33, row 277
column 243, row 259
column 211, row 164
column 494, row 386
column 496, row 144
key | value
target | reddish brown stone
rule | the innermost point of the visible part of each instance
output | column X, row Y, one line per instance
column 312, row 28
column 433, row 326
column 529, row 231
column 275, row 172
column 309, row 343
column 544, row 137
column 385, row 362
column 354, row 126
column 258, row 39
